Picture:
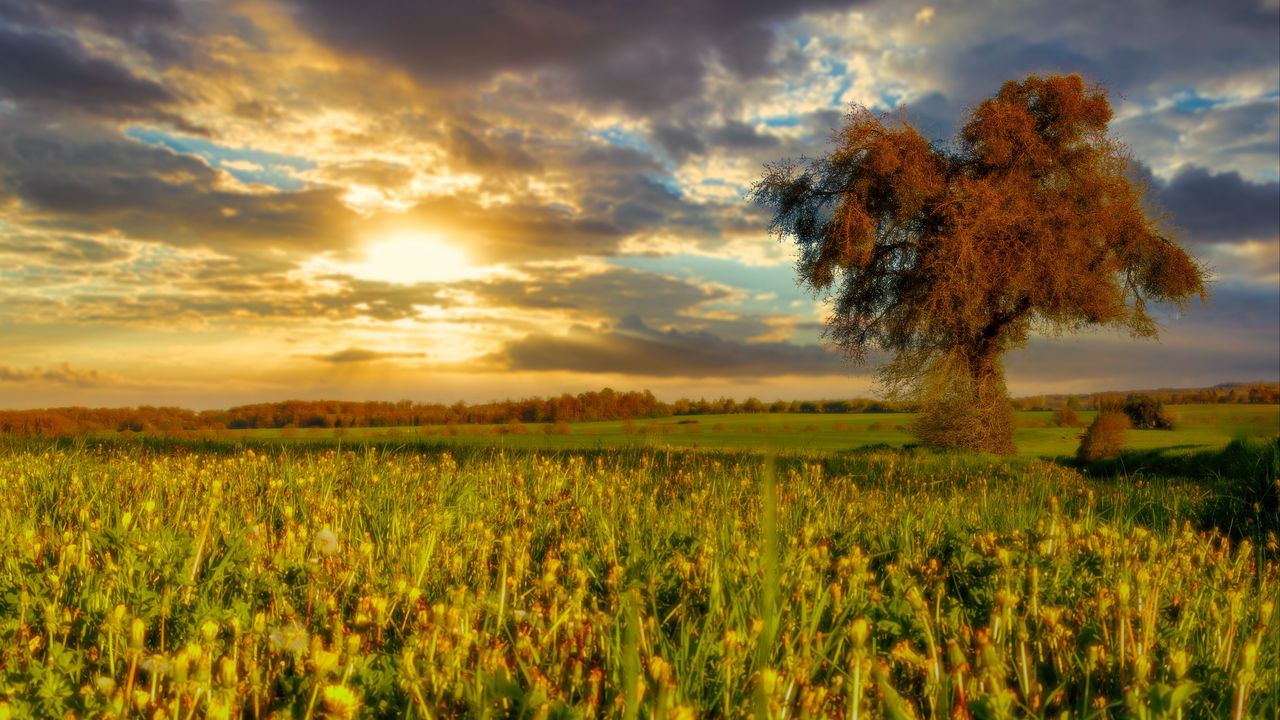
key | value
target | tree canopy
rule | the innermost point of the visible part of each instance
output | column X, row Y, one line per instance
column 948, row 255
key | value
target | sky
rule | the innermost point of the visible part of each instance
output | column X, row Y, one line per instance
column 207, row 203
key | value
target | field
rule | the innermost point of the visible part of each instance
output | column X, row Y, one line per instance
column 452, row 577
column 1199, row 427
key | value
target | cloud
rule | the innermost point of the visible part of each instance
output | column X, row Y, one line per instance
column 87, row 179
column 1222, row 207
column 632, row 347
column 63, row 375
column 555, row 141
column 1234, row 337
column 51, row 70
column 360, row 355
column 121, row 18
column 643, row 57
column 62, row 251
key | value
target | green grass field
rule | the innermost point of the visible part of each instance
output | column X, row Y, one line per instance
column 542, row 576
column 1200, row 427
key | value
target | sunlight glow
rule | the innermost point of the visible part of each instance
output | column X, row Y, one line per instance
column 412, row 256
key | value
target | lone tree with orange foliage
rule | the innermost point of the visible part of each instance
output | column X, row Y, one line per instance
column 949, row 255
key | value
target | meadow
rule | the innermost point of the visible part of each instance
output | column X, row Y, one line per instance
column 641, row 572
column 337, row 578
column 1199, row 427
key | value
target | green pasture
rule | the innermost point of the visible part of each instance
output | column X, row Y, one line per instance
column 1200, row 427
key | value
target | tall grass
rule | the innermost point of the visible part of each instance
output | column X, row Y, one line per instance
column 176, row 580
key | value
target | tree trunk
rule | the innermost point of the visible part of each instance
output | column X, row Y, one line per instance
column 991, row 403
column 965, row 406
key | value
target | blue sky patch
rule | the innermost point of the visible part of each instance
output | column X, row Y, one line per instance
column 1192, row 101
column 756, row 279
column 245, row 164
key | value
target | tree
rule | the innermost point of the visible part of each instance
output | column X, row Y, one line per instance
column 1146, row 412
column 1066, row 416
column 1104, row 438
column 948, row 256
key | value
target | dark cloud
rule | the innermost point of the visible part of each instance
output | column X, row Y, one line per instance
column 46, row 70
column 735, row 136
column 222, row 293
column 62, row 252
column 604, row 208
column 1234, row 337
column 609, row 294
column 360, row 355
column 63, row 375
column 644, row 56
column 1222, row 207
column 519, row 231
column 678, row 141
column 119, row 17
column 502, row 153
column 96, row 181
column 632, row 347
column 1180, row 44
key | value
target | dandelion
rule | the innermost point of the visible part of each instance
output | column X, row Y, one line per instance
column 325, row 542
column 292, row 638
column 137, row 633
column 339, row 701
column 209, row 630
column 155, row 665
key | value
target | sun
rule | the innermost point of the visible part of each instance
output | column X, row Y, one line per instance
column 406, row 257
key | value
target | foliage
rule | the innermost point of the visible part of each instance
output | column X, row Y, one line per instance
column 584, row 407
column 1066, row 416
column 222, row 583
column 1105, row 436
column 1147, row 413
column 1243, row 477
column 950, row 257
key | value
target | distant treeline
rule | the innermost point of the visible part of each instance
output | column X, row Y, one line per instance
column 606, row 404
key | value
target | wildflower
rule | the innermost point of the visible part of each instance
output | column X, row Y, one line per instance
column 325, row 542
column 768, row 680
column 292, row 638
column 322, row 660
column 155, row 665
column 658, row 668
column 859, row 631
column 339, row 701
column 1249, row 656
column 137, row 634
column 218, row 708
column 209, row 630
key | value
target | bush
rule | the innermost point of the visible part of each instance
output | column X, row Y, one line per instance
column 560, row 427
column 1104, row 438
column 1147, row 413
column 1066, row 417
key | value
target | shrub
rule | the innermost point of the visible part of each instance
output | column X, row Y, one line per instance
column 1146, row 412
column 559, row 427
column 1104, row 438
column 1066, row 417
